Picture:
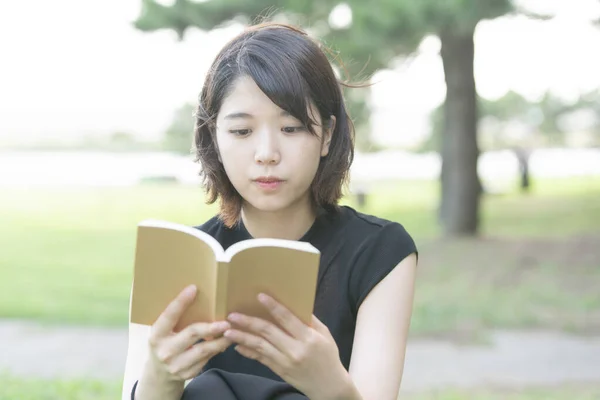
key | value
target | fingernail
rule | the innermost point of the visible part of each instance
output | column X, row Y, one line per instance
column 220, row 325
column 263, row 298
column 188, row 291
column 233, row 317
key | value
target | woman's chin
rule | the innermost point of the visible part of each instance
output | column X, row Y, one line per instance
column 275, row 202
column 272, row 204
column 268, row 206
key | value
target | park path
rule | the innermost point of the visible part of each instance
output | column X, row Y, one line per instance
column 510, row 359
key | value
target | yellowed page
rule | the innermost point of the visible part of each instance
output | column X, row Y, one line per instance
column 221, row 291
column 166, row 261
column 289, row 276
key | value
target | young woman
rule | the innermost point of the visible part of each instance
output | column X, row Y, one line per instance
column 275, row 143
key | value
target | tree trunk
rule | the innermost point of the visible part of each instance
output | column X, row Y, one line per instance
column 461, row 188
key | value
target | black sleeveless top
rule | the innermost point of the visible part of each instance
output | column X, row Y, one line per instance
column 357, row 252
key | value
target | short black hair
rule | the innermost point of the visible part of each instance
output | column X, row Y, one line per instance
column 293, row 71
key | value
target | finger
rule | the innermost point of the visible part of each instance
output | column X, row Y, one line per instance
column 190, row 363
column 217, row 346
column 201, row 353
column 254, row 355
column 247, row 352
column 263, row 348
column 192, row 371
column 263, row 329
column 168, row 319
column 193, row 333
column 284, row 317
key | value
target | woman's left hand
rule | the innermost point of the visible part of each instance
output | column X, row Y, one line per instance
column 305, row 356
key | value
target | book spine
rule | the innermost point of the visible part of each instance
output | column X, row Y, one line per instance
column 221, row 292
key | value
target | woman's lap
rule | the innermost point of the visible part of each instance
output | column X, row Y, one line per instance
column 222, row 385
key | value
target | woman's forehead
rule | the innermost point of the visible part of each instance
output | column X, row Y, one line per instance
column 246, row 100
column 245, row 95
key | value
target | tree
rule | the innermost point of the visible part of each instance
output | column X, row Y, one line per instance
column 179, row 135
column 509, row 108
column 379, row 33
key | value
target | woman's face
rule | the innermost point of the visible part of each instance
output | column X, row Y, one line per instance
column 269, row 157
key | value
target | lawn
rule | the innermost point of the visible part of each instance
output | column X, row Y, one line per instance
column 67, row 254
column 12, row 388
column 564, row 392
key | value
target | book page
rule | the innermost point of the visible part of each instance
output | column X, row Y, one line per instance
column 215, row 246
column 288, row 275
column 168, row 258
column 267, row 242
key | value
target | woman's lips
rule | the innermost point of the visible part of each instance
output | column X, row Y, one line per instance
column 269, row 183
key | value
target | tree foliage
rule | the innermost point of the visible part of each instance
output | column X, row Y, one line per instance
column 380, row 32
column 543, row 117
column 179, row 134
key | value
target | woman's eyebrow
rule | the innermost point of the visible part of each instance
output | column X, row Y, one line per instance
column 238, row 115
column 244, row 115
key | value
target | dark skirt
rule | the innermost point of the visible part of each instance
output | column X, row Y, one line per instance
column 222, row 385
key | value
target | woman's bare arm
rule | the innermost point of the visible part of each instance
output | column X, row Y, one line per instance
column 137, row 354
column 381, row 332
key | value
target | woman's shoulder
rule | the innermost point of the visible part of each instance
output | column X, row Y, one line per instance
column 211, row 226
column 226, row 236
column 367, row 226
column 373, row 247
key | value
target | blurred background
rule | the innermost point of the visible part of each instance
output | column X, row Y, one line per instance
column 480, row 134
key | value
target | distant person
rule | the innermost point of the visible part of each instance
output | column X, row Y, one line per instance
column 523, row 161
column 275, row 144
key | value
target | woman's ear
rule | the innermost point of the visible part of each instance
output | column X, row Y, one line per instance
column 327, row 135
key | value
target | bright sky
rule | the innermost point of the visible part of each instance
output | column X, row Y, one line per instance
column 72, row 67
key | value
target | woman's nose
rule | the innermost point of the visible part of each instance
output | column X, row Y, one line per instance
column 267, row 149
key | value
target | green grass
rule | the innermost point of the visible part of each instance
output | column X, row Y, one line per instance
column 554, row 208
column 564, row 392
column 67, row 254
column 12, row 388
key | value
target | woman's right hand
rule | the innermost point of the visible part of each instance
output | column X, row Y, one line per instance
column 177, row 356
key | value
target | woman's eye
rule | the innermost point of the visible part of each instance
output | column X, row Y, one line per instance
column 293, row 129
column 240, row 132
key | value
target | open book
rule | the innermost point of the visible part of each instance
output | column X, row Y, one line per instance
column 170, row 256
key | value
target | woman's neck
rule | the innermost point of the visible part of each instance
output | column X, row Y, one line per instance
column 291, row 223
